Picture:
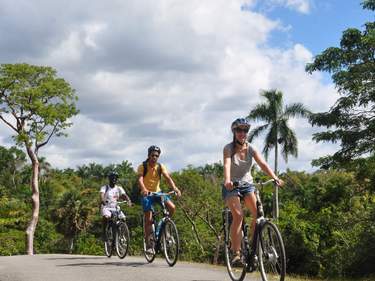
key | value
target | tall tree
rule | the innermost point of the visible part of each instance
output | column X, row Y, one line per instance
column 36, row 105
column 351, row 120
column 276, row 117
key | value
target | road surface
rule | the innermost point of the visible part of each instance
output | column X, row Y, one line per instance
column 95, row 268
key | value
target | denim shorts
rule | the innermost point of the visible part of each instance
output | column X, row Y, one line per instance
column 243, row 190
column 148, row 201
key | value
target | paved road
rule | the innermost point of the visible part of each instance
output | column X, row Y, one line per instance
column 94, row 268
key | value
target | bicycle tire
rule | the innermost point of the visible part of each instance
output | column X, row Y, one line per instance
column 235, row 273
column 149, row 256
column 272, row 259
column 122, row 240
column 108, row 244
column 170, row 242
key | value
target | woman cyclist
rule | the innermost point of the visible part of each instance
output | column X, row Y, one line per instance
column 239, row 157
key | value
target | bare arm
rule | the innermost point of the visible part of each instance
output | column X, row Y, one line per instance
column 171, row 183
column 227, row 162
column 266, row 168
column 102, row 197
column 142, row 186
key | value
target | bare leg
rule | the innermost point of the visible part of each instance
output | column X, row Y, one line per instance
column 171, row 207
column 250, row 203
column 234, row 205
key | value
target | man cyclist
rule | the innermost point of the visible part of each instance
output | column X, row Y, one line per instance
column 239, row 156
column 109, row 195
column 149, row 176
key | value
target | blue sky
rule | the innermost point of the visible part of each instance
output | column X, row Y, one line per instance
column 204, row 62
column 321, row 27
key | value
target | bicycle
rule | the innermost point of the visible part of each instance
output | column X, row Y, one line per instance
column 117, row 233
column 164, row 235
column 266, row 252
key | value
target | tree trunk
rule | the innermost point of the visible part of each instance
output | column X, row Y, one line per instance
column 217, row 249
column 276, row 192
column 35, row 201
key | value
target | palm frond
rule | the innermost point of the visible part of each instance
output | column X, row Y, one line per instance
column 261, row 112
column 256, row 132
column 270, row 140
column 296, row 110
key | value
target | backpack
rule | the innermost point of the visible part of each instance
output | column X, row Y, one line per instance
column 145, row 169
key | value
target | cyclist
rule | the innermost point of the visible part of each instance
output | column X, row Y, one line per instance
column 109, row 195
column 149, row 176
column 239, row 157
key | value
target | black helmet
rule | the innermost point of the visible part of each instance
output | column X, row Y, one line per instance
column 240, row 122
column 113, row 174
column 154, row 148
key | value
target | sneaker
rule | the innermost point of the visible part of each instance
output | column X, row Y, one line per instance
column 237, row 260
column 150, row 251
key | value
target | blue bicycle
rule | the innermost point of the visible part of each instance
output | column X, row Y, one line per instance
column 164, row 235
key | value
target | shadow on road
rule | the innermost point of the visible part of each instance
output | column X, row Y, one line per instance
column 74, row 258
column 131, row 264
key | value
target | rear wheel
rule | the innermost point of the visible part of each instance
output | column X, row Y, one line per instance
column 122, row 240
column 108, row 243
column 171, row 242
column 272, row 261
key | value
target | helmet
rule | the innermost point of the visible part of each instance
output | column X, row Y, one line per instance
column 240, row 122
column 154, row 148
column 113, row 174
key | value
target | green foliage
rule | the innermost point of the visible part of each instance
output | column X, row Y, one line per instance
column 351, row 120
column 39, row 101
column 326, row 217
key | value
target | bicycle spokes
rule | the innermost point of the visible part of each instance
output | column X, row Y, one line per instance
column 272, row 253
column 170, row 242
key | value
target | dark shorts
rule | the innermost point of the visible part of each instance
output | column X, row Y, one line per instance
column 149, row 201
column 243, row 190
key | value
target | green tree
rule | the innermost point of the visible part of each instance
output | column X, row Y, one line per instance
column 351, row 120
column 276, row 117
column 36, row 105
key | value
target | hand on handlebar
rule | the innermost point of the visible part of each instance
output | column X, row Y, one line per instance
column 178, row 192
column 229, row 185
column 279, row 182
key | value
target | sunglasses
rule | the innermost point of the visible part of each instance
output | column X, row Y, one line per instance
column 243, row 130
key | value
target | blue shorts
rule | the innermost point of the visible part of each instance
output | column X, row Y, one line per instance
column 243, row 190
column 148, row 201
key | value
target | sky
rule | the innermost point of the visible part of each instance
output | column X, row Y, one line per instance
column 175, row 73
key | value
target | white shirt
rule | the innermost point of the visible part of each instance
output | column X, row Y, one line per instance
column 112, row 195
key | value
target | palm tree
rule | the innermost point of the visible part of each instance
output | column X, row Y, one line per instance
column 276, row 117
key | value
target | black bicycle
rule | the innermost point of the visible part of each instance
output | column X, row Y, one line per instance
column 266, row 251
column 117, row 233
column 164, row 235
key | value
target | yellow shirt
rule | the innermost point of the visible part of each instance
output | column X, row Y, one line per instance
column 151, row 180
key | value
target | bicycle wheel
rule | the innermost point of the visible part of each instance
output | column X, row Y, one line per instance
column 122, row 240
column 108, row 244
column 236, row 273
column 171, row 242
column 149, row 253
column 272, row 261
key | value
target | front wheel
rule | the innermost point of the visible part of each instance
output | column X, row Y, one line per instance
column 122, row 240
column 108, row 243
column 171, row 242
column 149, row 250
column 272, row 260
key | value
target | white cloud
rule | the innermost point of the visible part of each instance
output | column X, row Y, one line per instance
column 171, row 73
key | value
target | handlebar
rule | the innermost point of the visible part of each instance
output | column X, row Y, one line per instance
column 238, row 184
column 160, row 194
